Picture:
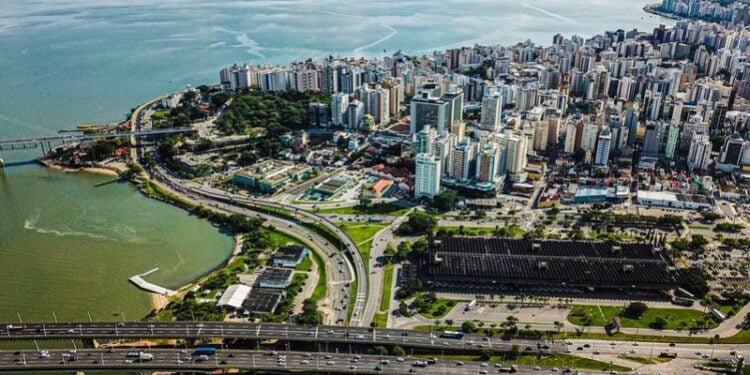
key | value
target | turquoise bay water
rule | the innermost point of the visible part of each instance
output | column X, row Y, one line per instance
column 68, row 247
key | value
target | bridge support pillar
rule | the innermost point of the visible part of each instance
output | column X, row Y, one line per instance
column 90, row 343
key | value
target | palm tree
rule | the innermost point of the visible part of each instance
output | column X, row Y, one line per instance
column 449, row 322
column 437, row 322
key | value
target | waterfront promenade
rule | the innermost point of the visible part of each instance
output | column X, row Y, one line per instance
column 140, row 282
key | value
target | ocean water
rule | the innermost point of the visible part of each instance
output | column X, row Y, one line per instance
column 68, row 247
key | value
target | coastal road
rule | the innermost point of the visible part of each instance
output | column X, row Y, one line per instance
column 177, row 359
column 234, row 203
column 338, row 271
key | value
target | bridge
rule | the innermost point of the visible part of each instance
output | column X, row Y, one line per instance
column 251, row 331
column 27, row 143
column 182, row 360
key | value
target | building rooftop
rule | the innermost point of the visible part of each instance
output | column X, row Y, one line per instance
column 582, row 263
column 262, row 302
column 234, row 296
column 275, row 276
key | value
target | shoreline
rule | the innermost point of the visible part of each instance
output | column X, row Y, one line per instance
column 651, row 9
column 104, row 171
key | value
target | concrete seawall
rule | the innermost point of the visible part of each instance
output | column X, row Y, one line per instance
column 150, row 287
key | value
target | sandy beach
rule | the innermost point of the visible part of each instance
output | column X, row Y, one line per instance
column 97, row 170
column 158, row 301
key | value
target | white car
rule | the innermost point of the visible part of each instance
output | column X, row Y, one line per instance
column 330, row 363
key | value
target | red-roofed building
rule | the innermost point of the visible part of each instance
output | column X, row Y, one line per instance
column 377, row 188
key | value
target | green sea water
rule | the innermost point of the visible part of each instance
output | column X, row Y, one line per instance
column 68, row 247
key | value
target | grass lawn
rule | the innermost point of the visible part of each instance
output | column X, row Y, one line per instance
column 305, row 265
column 352, row 301
column 602, row 315
column 372, row 209
column 433, row 312
column 361, row 233
column 385, row 297
column 320, row 289
column 282, row 239
column 644, row 360
column 557, row 360
column 380, row 320
column 358, row 231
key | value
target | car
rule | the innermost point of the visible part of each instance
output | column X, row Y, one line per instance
column 596, row 352
column 309, row 333
column 483, row 364
column 378, row 368
column 459, row 363
column 399, row 359
column 330, row 363
column 404, row 333
column 199, row 325
column 555, row 369
column 328, row 356
column 231, row 355
column 635, row 344
column 567, row 350
column 672, row 344
column 632, row 351
column 705, row 356
column 446, row 343
column 128, row 361
column 306, row 355
column 537, row 368
column 223, row 362
column 360, row 337
column 386, row 336
column 357, row 356
column 352, row 367
column 483, row 372
column 528, row 349
column 71, row 331
column 330, row 332
column 385, row 362
column 579, row 348
column 586, row 345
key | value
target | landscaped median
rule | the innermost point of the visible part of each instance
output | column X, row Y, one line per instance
column 656, row 318
column 371, row 209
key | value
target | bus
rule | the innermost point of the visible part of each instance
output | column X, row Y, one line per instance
column 452, row 335
column 204, row 350
column 683, row 301
column 471, row 305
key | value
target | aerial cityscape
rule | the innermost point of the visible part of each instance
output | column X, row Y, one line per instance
column 380, row 188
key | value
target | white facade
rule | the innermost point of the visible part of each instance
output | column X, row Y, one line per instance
column 427, row 176
column 699, row 156
column 491, row 112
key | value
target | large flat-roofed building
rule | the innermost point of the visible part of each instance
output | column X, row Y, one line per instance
column 567, row 265
column 676, row 200
column 270, row 175
column 261, row 302
column 275, row 278
column 234, row 296
column 332, row 186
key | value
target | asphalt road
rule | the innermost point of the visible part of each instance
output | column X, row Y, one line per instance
column 176, row 359
column 353, row 335
column 338, row 270
column 233, row 203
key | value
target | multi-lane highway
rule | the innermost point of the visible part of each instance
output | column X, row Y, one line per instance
column 351, row 335
column 177, row 359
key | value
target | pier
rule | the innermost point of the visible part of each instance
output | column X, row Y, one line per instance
column 150, row 287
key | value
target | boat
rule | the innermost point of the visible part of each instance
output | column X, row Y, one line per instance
column 2, row 162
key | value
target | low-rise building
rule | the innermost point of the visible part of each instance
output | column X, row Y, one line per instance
column 275, row 278
column 234, row 296
column 261, row 302
column 289, row 256
column 269, row 176
column 676, row 200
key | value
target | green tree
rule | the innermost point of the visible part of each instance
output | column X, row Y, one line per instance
column 468, row 327
column 659, row 323
column 378, row 350
column 635, row 310
column 445, row 201
column 398, row 351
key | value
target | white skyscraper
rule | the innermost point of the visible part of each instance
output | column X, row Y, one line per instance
column 590, row 133
column 699, row 155
column 491, row 111
column 339, row 103
column 427, row 176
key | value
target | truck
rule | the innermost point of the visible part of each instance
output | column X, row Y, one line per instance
column 452, row 335
column 15, row 327
column 668, row 354
column 204, row 350
column 471, row 305
column 508, row 370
